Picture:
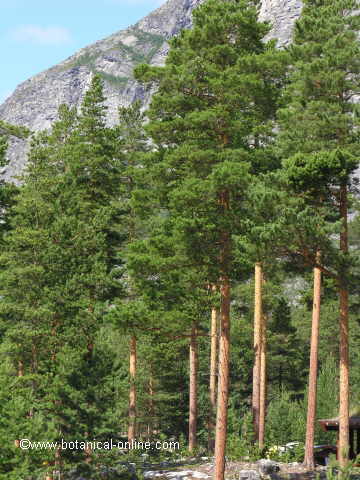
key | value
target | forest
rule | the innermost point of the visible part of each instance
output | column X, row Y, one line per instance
column 190, row 275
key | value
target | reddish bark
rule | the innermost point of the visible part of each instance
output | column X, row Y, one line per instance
column 20, row 368
column 213, row 376
column 257, row 352
column 132, row 391
column 343, row 450
column 150, row 426
column 193, row 364
column 263, row 382
column 313, row 370
column 224, row 351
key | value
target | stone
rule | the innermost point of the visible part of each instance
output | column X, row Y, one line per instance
column 179, row 474
column 249, row 475
column 267, row 466
column 153, row 474
column 199, row 475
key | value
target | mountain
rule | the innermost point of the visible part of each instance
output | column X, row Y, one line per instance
column 35, row 102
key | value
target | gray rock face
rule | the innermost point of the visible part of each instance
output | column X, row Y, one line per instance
column 35, row 102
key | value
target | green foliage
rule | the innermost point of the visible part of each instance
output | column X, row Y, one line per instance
column 327, row 399
column 344, row 473
column 114, row 234
column 285, row 355
column 58, row 273
column 213, row 96
column 286, row 419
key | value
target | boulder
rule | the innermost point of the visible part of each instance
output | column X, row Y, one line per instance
column 199, row 475
column 267, row 466
column 249, row 475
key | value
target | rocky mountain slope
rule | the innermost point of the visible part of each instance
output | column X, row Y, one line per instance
column 35, row 102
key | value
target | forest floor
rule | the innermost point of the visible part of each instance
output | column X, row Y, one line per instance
column 237, row 471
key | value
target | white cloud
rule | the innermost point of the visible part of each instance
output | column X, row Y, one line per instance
column 41, row 35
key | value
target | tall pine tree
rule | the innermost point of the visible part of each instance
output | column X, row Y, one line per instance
column 321, row 125
column 208, row 122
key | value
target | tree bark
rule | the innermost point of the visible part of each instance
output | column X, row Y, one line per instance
column 58, row 462
column 193, row 364
column 263, row 382
column 313, row 371
column 213, row 376
column 224, row 351
column 343, row 450
column 132, row 392
column 20, row 372
column 257, row 352
column 151, row 407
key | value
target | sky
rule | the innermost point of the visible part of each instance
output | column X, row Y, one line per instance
column 37, row 34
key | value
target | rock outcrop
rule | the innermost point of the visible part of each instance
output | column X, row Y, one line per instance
column 35, row 102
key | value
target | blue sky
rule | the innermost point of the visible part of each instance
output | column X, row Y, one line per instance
column 37, row 34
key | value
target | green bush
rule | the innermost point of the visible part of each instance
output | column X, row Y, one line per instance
column 286, row 419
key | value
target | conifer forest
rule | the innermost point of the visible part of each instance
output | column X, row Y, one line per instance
column 190, row 276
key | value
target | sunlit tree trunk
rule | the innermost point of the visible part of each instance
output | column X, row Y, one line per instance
column 132, row 392
column 193, row 361
column 263, row 382
column 213, row 375
column 224, row 351
column 58, row 463
column 313, row 370
column 151, row 408
column 257, row 352
column 20, row 373
column 20, row 368
column 343, row 451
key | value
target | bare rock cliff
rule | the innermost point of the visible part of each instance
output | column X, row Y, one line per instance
column 35, row 102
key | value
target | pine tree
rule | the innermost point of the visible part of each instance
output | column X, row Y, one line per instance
column 321, row 123
column 215, row 97
column 60, row 271
column 174, row 305
column 132, row 144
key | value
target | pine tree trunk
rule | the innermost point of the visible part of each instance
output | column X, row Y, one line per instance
column 343, row 446
column 20, row 372
column 224, row 352
column 58, row 463
column 193, row 364
column 151, row 407
column 263, row 383
column 257, row 352
column 132, row 392
column 213, row 376
column 313, row 371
